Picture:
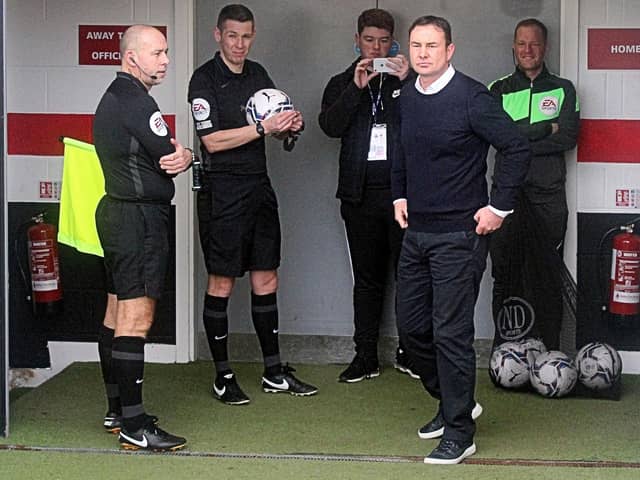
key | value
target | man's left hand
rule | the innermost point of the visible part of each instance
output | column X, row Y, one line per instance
column 488, row 222
column 400, row 64
column 298, row 122
column 178, row 161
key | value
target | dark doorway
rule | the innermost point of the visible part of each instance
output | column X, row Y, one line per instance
column 4, row 389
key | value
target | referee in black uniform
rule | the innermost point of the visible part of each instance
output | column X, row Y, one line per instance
column 139, row 159
column 237, row 208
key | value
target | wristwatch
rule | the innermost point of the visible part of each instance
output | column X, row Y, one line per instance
column 260, row 129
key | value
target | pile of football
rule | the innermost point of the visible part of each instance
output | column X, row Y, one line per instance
column 518, row 365
column 511, row 362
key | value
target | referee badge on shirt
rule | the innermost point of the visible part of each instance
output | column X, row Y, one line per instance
column 158, row 125
column 201, row 110
column 549, row 105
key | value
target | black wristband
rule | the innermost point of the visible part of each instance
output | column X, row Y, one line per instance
column 260, row 129
column 193, row 158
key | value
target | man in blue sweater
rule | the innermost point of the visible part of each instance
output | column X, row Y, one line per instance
column 439, row 187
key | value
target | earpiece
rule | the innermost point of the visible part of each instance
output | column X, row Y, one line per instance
column 152, row 77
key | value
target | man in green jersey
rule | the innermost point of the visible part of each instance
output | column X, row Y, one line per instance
column 545, row 108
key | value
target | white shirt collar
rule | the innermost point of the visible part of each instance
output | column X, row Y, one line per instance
column 439, row 84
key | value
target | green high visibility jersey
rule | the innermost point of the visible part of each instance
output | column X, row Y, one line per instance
column 535, row 105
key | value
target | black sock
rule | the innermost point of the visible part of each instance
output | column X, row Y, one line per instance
column 128, row 365
column 105, row 342
column 216, row 325
column 264, row 312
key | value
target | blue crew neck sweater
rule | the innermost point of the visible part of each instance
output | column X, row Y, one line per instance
column 441, row 168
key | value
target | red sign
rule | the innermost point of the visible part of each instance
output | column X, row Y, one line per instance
column 623, row 198
column 100, row 44
column 46, row 189
column 613, row 49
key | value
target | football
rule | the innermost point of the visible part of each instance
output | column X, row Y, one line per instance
column 553, row 374
column 508, row 366
column 533, row 347
column 266, row 103
column 599, row 365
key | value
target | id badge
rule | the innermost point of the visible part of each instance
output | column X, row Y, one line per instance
column 378, row 142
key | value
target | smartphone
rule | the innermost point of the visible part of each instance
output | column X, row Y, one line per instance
column 381, row 65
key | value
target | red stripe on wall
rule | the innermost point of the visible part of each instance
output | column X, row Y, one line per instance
column 39, row 133
column 609, row 141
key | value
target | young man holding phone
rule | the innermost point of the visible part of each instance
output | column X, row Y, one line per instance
column 357, row 107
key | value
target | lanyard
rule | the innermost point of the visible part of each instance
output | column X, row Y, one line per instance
column 377, row 101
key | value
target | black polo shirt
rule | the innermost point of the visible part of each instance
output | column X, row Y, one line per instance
column 130, row 136
column 218, row 98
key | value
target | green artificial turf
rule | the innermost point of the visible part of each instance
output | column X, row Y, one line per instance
column 377, row 417
column 76, row 466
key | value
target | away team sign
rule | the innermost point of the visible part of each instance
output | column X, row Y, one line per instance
column 100, row 44
column 613, row 48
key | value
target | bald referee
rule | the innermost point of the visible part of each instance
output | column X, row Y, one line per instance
column 139, row 159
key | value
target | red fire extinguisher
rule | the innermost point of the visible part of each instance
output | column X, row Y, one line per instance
column 44, row 265
column 624, row 297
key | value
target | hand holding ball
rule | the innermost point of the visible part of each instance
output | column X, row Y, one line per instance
column 266, row 103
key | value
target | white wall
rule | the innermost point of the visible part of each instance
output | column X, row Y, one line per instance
column 44, row 77
column 302, row 44
column 607, row 95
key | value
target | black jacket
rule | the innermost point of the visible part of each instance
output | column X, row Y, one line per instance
column 346, row 114
column 534, row 106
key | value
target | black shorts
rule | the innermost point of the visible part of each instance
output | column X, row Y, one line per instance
column 135, row 240
column 239, row 224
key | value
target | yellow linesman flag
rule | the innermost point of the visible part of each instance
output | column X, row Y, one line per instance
column 82, row 189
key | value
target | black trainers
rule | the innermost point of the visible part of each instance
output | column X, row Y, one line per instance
column 150, row 437
column 360, row 368
column 403, row 365
column 113, row 421
column 284, row 381
column 227, row 390
column 435, row 427
column 450, row 452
